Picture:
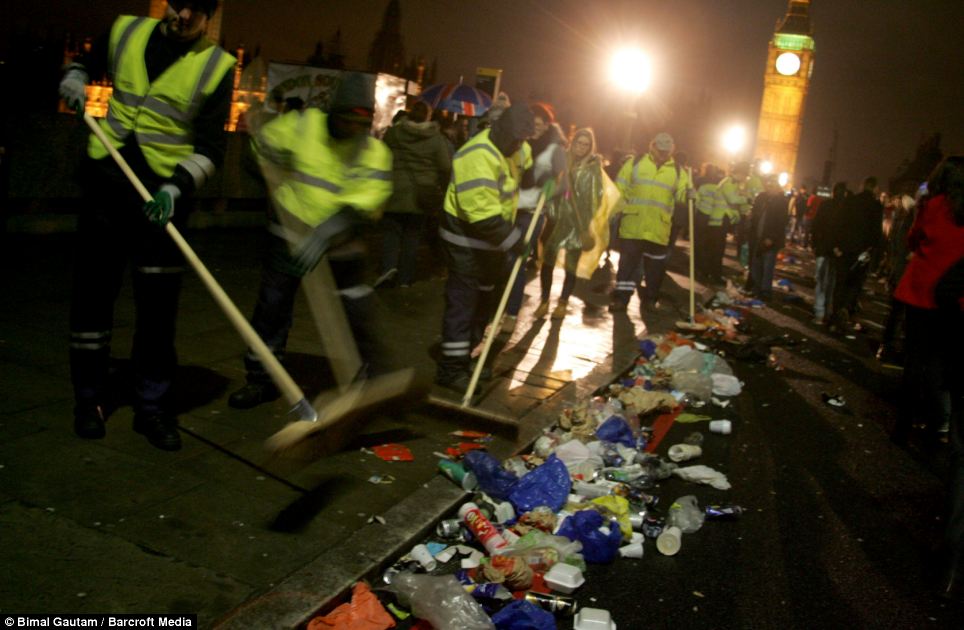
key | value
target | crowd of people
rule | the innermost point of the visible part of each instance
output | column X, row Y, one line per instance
column 483, row 185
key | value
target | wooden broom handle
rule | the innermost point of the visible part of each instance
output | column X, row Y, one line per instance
column 279, row 375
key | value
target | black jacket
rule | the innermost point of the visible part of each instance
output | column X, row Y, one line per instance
column 768, row 220
column 857, row 226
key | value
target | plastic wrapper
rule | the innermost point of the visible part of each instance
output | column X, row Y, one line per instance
column 541, row 550
column 726, row 385
column 686, row 514
column 703, row 474
column 523, row 615
column 640, row 401
column 684, row 359
column 616, row 429
column 547, row 485
column 509, row 570
column 586, row 526
column 441, row 601
column 541, row 518
column 617, row 508
column 694, row 383
column 572, row 453
column 493, row 479
column 364, row 612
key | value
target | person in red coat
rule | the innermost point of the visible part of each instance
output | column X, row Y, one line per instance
column 933, row 384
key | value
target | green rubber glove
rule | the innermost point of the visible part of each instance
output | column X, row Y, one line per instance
column 160, row 209
column 549, row 188
column 72, row 90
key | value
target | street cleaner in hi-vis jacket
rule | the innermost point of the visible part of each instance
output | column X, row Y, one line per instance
column 478, row 235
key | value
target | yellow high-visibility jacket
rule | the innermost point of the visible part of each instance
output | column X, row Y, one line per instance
column 732, row 199
column 158, row 114
column 708, row 204
column 480, row 206
column 316, row 176
column 650, row 193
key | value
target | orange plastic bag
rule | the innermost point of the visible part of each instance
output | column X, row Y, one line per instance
column 364, row 612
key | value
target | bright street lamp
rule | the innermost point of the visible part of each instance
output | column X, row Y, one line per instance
column 631, row 69
column 783, row 178
column 734, row 139
column 766, row 167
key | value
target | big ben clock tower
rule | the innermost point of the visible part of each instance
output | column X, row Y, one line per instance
column 786, row 80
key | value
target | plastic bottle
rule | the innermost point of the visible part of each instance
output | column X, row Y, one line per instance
column 482, row 528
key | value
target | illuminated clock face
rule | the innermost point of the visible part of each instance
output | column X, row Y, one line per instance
column 788, row 64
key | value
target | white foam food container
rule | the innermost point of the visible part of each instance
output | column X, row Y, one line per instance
column 564, row 578
column 593, row 619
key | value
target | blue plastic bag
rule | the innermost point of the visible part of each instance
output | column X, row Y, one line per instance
column 523, row 615
column 548, row 484
column 494, row 480
column 647, row 347
column 616, row 429
column 597, row 547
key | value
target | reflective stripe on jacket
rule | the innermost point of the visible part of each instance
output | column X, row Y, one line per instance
column 317, row 175
column 480, row 204
column 158, row 113
column 707, row 203
column 650, row 193
column 732, row 199
column 484, row 183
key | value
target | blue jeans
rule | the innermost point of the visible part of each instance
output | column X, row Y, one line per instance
column 761, row 271
column 522, row 221
column 823, row 293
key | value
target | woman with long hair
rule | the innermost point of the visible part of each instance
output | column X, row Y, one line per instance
column 568, row 227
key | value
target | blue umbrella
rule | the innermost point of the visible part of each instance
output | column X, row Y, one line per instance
column 457, row 98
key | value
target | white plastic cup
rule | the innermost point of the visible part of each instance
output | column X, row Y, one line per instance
column 685, row 452
column 632, row 550
column 636, row 520
column 423, row 556
column 723, row 427
column 670, row 541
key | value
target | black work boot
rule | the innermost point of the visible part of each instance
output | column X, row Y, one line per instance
column 456, row 380
column 253, row 394
column 159, row 429
column 89, row 422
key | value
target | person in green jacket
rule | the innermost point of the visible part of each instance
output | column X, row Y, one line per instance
column 421, row 165
column 331, row 178
column 569, row 223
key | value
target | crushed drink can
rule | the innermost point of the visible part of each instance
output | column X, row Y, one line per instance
column 652, row 526
column 449, row 529
column 558, row 605
column 723, row 512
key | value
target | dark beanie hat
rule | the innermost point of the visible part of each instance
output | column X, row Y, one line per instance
column 355, row 91
column 516, row 123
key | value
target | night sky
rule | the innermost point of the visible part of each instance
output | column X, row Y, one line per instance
column 887, row 72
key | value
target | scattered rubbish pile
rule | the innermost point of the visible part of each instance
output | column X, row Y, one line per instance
column 517, row 552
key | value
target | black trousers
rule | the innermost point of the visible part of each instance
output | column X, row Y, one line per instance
column 549, row 265
column 469, row 307
column 273, row 312
column 849, row 277
column 113, row 232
